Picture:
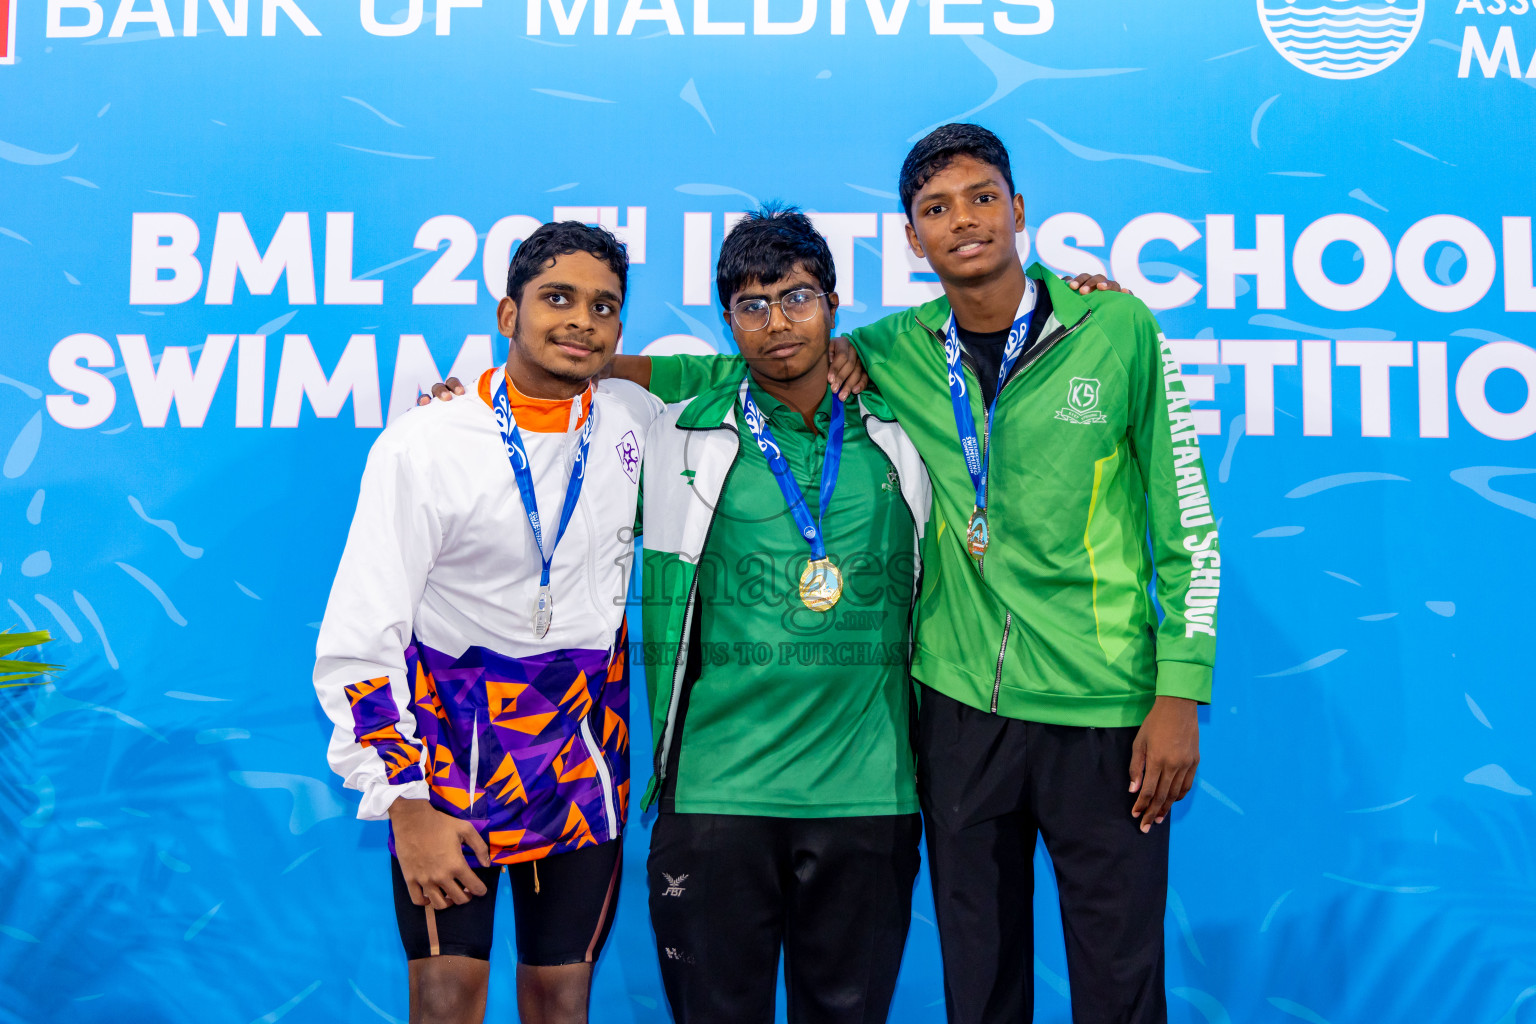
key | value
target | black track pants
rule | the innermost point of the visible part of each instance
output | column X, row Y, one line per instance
column 729, row 891
column 989, row 785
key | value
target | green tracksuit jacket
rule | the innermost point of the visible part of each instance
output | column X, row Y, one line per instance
column 1096, row 487
column 1095, row 482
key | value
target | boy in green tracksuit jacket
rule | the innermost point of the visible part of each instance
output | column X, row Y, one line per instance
column 1058, row 699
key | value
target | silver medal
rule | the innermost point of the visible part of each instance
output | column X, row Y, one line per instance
column 543, row 612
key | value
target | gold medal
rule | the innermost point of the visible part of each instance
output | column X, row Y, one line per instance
column 821, row 584
column 976, row 535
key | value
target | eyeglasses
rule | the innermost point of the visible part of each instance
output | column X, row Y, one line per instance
column 754, row 314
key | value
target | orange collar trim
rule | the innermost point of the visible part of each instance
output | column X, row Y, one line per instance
column 539, row 415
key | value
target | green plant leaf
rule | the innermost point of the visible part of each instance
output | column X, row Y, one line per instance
column 12, row 669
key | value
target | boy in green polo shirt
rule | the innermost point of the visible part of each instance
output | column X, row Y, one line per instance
column 780, row 563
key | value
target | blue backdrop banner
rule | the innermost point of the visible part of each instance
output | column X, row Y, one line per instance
column 237, row 236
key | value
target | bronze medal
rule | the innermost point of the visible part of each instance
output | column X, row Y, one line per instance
column 976, row 533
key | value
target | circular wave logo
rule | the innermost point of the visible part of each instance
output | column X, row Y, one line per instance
column 1341, row 38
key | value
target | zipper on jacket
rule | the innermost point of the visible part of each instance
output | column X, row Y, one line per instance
column 605, row 778
column 1045, row 345
column 997, row 683
column 1040, row 349
column 679, row 666
column 474, row 761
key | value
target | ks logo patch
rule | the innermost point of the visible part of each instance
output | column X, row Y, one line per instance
column 628, row 449
column 1082, row 402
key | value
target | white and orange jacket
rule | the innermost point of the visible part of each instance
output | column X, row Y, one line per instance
column 427, row 660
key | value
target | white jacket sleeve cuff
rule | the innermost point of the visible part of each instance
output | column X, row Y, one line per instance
column 379, row 794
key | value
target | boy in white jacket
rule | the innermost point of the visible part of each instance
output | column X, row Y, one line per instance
column 472, row 654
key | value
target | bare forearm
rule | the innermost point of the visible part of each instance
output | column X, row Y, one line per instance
column 632, row 368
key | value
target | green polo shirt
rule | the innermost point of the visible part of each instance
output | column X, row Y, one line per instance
column 798, row 713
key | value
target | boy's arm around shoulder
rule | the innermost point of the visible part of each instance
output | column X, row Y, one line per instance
column 678, row 377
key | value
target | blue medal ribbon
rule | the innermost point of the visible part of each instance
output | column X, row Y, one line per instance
column 809, row 528
column 517, row 455
column 978, row 454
